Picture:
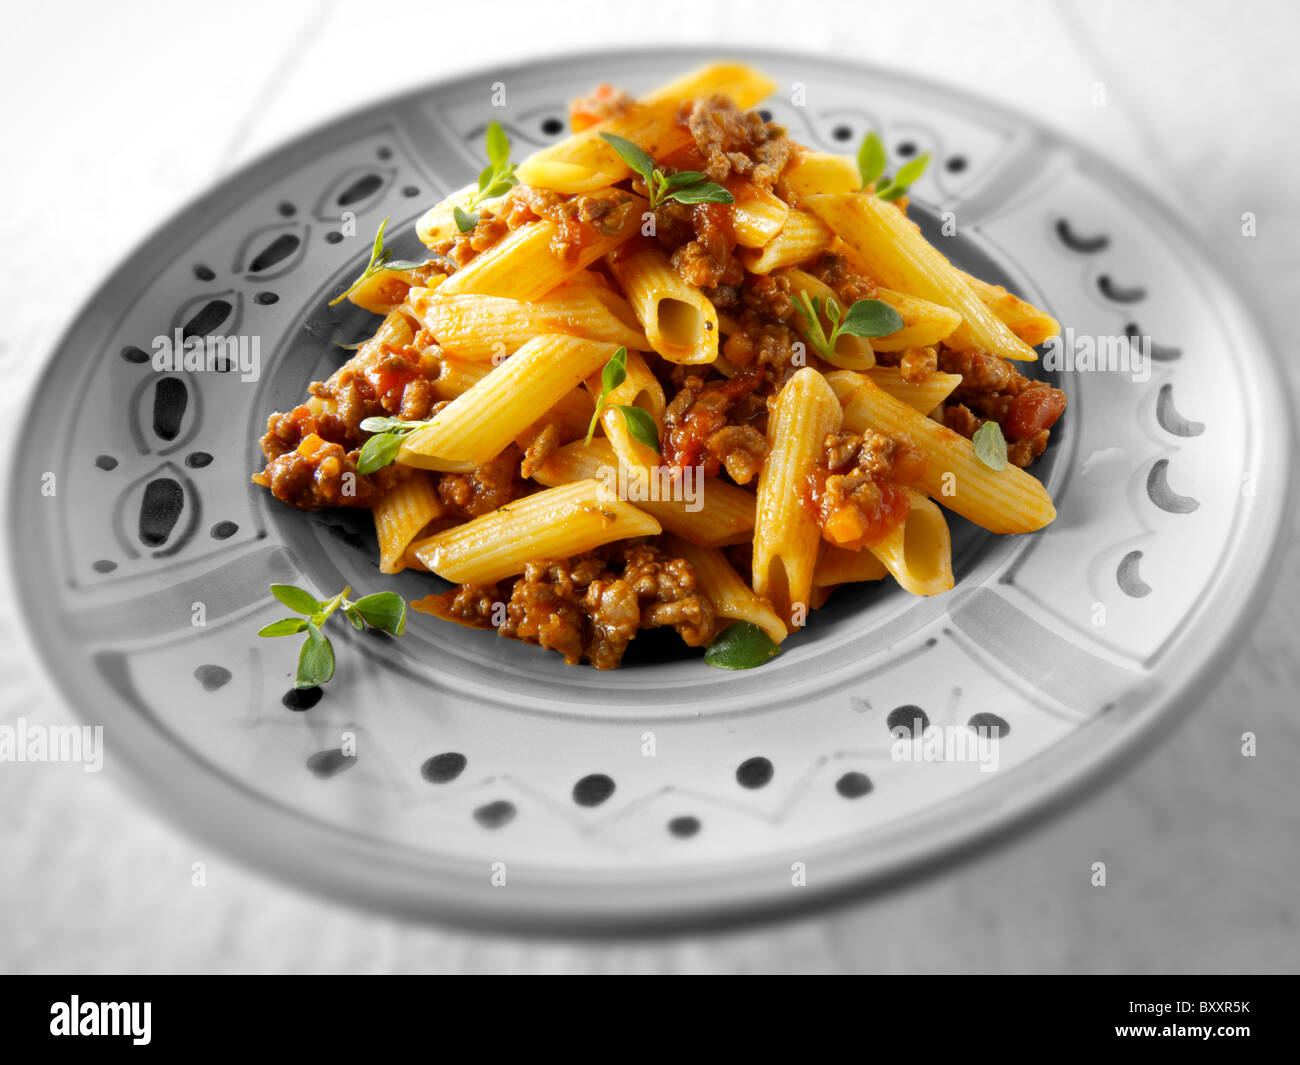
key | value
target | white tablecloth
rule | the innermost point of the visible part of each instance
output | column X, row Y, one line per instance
column 116, row 116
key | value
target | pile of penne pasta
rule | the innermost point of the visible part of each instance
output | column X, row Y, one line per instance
column 523, row 334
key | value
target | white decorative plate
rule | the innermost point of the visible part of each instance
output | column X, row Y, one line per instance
column 666, row 792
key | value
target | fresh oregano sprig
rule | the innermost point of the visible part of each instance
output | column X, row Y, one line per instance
column 496, row 179
column 872, row 160
column 684, row 186
column 382, row 610
column 638, row 422
column 740, row 646
column 866, row 318
column 991, row 446
column 382, row 448
column 380, row 259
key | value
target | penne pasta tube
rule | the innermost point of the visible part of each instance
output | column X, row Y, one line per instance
column 924, row 323
column 709, row 511
column 812, row 172
column 522, row 266
column 1030, row 324
column 839, row 565
column 400, row 517
column 803, row 237
column 1004, row 501
column 757, row 215
column 585, row 161
column 899, row 257
column 851, row 353
column 919, row 551
column 482, row 421
column 786, row 537
column 555, row 523
column 488, row 327
column 640, row 388
column 923, row 396
column 680, row 323
column 731, row 597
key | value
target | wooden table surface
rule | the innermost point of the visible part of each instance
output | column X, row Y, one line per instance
column 117, row 116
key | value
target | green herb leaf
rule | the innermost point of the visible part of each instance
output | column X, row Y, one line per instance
column 379, row 451
column 894, row 192
column 871, row 158
column 295, row 598
column 991, row 446
column 911, row 172
column 464, row 220
column 614, row 373
column 707, row 192
column 683, row 178
column 354, row 616
column 401, row 264
column 633, row 154
column 498, row 144
column 871, row 318
column 384, row 610
column 640, row 425
column 284, row 627
column 315, row 660
column 741, row 646
column 386, row 425
column 352, row 347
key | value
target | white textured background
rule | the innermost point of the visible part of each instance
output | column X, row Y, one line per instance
column 116, row 115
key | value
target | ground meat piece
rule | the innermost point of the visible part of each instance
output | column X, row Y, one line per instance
column 741, row 449
column 709, row 260
column 762, row 346
column 834, row 271
column 736, row 142
column 768, row 296
column 580, row 219
column 492, row 485
column 855, row 492
column 541, row 446
column 601, row 104
column 992, row 389
column 588, row 607
column 698, row 412
column 917, row 364
column 316, row 472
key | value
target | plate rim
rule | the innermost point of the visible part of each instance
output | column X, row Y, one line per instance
column 1043, row 788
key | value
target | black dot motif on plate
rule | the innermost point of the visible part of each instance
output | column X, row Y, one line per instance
column 223, row 530
column 410, row 190
column 160, row 510
column 276, row 252
column 444, row 768
column 1129, row 578
column 1118, row 293
column 684, row 827
column 204, row 273
column 552, row 126
column 907, row 718
column 1077, row 242
column 207, row 318
column 905, row 149
column 593, row 789
column 326, row 764
column 765, row 115
column 495, row 814
column 333, row 237
column 366, row 185
column 1159, row 352
column 385, row 153
column 756, row 772
column 106, row 462
column 300, row 699
column 196, row 460
column 955, row 164
column 266, row 298
column 854, row 785
column 212, row 677
column 287, row 210
column 170, row 398
column 842, row 133
column 103, row 565
column 998, row 726
column 133, row 354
